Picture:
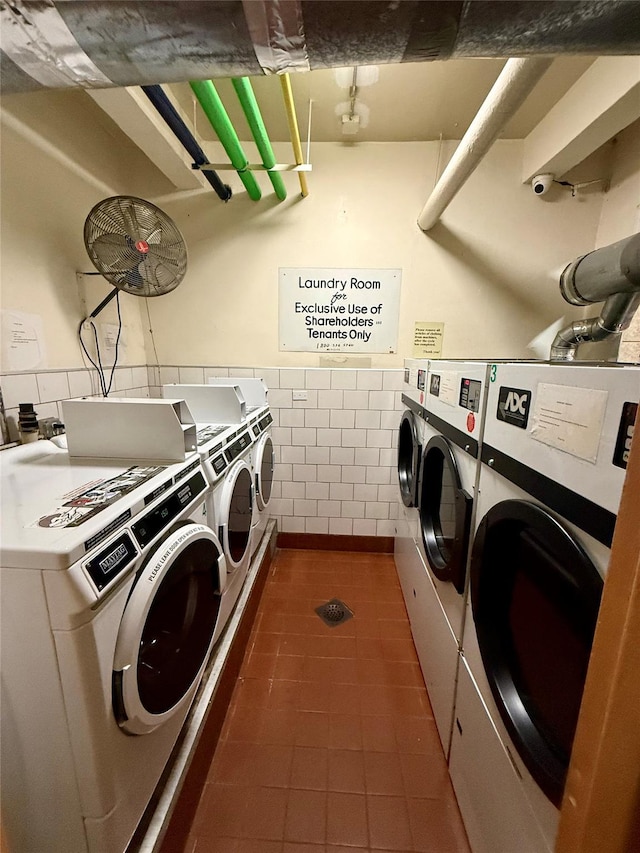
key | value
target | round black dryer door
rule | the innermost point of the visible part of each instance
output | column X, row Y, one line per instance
column 445, row 513
column 535, row 595
column 237, row 514
column 265, row 463
column 409, row 451
column 167, row 628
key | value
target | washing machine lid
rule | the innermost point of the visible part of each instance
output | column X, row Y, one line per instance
column 223, row 404
column 253, row 389
column 167, row 628
column 409, row 454
column 445, row 513
column 535, row 595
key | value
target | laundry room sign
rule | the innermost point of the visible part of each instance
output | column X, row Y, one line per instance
column 339, row 310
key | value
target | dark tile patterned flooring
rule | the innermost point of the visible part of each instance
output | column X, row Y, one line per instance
column 329, row 744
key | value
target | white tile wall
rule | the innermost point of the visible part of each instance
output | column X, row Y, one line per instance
column 318, row 455
column 292, row 454
column 335, row 451
column 317, row 491
column 169, row 375
column 344, row 379
column 191, row 375
column 53, row 386
column 316, row 525
column 292, row 378
column 343, row 455
column 291, row 417
column 46, row 389
column 317, row 378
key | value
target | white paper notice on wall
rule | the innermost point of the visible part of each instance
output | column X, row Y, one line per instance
column 111, row 342
column 427, row 340
column 22, row 341
column 569, row 418
column 339, row 310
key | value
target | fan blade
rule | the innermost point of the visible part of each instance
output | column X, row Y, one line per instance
column 154, row 236
column 133, row 282
column 114, row 253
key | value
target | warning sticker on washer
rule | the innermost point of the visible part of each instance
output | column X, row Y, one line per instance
column 93, row 497
column 569, row 418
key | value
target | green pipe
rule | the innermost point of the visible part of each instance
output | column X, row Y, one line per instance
column 214, row 110
column 244, row 91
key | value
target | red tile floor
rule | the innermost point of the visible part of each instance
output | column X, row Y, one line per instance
column 329, row 745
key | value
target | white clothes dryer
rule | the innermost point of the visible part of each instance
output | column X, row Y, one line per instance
column 410, row 446
column 112, row 585
column 453, row 416
column 407, row 559
column 415, row 379
column 451, row 439
column 553, row 465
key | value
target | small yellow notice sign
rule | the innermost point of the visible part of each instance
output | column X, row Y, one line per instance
column 427, row 340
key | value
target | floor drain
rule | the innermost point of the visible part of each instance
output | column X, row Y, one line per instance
column 334, row 612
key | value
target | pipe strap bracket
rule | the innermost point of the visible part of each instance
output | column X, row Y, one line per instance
column 277, row 33
column 36, row 38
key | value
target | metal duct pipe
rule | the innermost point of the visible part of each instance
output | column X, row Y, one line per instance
column 214, row 110
column 244, row 91
column 516, row 80
column 99, row 43
column 168, row 112
column 612, row 274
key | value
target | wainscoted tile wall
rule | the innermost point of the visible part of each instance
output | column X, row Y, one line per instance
column 335, row 450
column 46, row 389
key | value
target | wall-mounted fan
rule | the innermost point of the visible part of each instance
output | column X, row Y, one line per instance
column 135, row 246
column 138, row 249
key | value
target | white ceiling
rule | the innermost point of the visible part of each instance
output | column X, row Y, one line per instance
column 409, row 102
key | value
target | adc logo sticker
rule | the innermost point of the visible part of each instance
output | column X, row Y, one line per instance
column 513, row 406
column 434, row 385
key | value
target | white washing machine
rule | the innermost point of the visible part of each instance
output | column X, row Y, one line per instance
column 554, row 454
column 224, row 440
column 261, row 455
column 263, row 463
column 452, row 415
column 231, row 502
column 112, row 585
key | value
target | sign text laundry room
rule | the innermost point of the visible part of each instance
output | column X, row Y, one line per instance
column 339, row 310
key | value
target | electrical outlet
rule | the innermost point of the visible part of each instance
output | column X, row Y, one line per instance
column 299, row 395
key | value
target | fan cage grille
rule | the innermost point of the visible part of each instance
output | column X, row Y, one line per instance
column 111, row 231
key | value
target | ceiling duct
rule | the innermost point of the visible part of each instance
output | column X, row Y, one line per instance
column 611, row 275
column 99, row 43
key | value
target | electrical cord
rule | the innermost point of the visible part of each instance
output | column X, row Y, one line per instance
column 153, row 340
column 105, row 389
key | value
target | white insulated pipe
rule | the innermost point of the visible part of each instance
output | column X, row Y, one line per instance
column 517, row 79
